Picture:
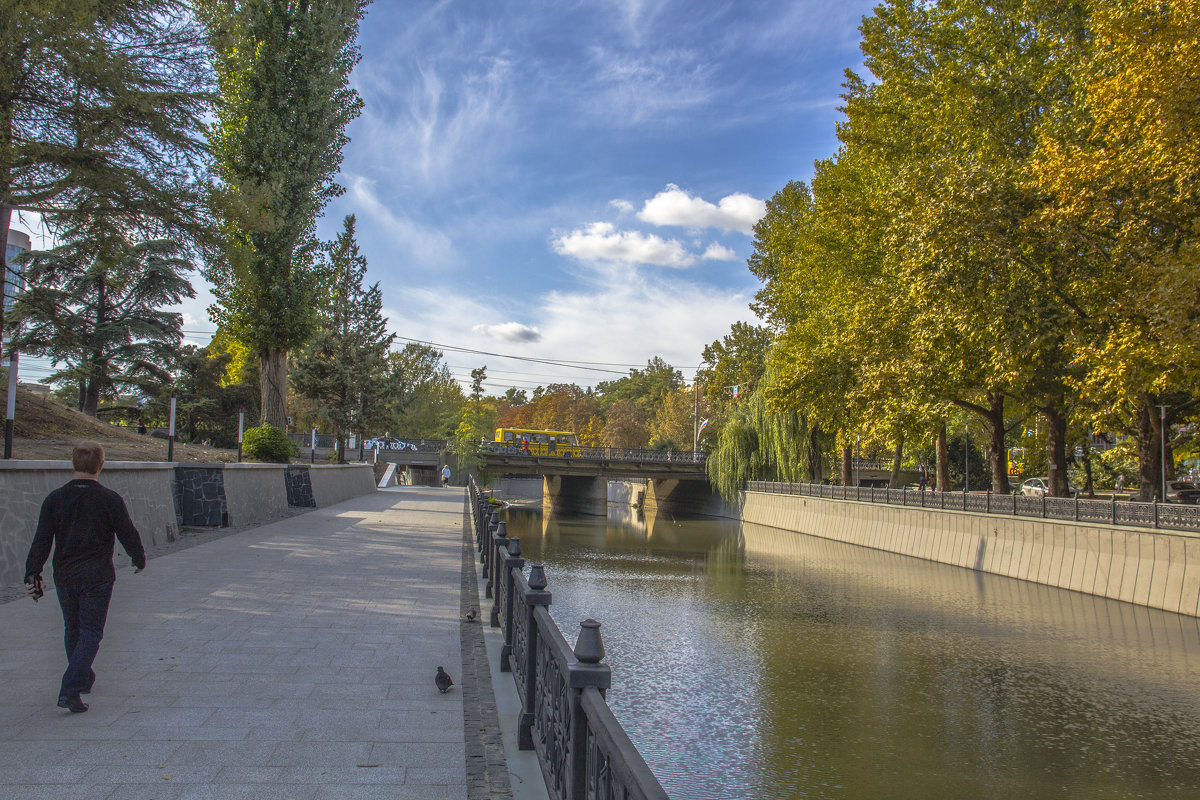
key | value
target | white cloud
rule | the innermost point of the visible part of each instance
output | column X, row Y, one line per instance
column 719, row 252
column 419, row 244
column 510, row 332
column 674, row 206
column 601, row 241
column 624, row 206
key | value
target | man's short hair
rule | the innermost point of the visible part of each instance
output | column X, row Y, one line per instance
column 87, row 457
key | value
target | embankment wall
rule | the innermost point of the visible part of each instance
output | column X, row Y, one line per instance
column 1155, row 568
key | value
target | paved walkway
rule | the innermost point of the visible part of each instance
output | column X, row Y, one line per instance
column 294, row 660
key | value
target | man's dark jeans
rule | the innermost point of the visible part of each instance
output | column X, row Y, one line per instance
column 85, row 608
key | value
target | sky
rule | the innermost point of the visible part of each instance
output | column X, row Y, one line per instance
column 552, row 181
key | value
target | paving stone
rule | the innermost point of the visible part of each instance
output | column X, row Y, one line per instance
column 294, row 660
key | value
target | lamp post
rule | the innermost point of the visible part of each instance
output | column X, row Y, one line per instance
column 1162, row 432
column 966, row 458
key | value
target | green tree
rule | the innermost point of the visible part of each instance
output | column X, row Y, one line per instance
column 344, row 367
column 424, row 399
column 283, row 70
column 100, row 100
column 96, row 304
column 1124, row 175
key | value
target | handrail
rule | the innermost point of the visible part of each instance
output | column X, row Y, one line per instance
column 622, row 454
column 1127, row 513
column 581, row 747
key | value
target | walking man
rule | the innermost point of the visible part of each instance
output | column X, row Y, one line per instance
column 81, row 520
column 445, row 476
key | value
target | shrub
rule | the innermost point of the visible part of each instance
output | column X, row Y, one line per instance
column 268, row 443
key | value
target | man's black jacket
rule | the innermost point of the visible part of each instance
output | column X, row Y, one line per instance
column 81, row 520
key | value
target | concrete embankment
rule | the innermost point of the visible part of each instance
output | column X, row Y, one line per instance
column 1155, row 568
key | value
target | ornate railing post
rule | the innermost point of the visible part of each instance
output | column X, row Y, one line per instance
column 498, row 539
column 536, row 596
column 588, row 671
column 504, row 599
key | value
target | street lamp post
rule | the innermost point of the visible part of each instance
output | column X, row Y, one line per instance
column 1162, row 432
column 966, row 458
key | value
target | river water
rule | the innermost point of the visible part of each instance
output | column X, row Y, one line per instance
column 753, row 663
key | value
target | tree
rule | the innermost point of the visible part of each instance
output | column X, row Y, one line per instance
column 1124, row 175
column 95, row 303
column 101, row 100
column 283, row 70
column 424, row 399
column 735, row 365
column 344, row 367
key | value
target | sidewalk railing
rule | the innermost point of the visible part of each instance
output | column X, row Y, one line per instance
column 582, row 748
column 1075, row 509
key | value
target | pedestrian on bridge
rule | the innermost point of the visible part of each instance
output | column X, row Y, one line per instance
column 80, row 521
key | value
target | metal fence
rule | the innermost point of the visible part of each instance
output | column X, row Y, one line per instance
column 582, row 748
column 1109, row 512
column 607, row 454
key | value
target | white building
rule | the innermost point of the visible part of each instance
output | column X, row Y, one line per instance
column 14, row 279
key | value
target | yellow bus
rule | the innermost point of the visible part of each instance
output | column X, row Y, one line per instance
column 539, row 443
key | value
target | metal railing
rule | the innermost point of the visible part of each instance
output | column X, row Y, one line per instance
column 605, row 454
column 581, row 747
column 1076, row 509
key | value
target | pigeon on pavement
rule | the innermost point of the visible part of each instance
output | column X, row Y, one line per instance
column 442, row 680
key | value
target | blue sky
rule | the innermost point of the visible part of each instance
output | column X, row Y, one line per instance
column 577, row 181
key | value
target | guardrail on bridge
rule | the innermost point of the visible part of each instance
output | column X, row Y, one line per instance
column 606, row 454
column 1075, row 509
column 582, row 748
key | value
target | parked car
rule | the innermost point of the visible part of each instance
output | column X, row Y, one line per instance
column 1040, row 487
column 1188, row 497
column 1035, row 487
column 1175, row 487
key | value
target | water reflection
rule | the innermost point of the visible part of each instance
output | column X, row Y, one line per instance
column 754, row 663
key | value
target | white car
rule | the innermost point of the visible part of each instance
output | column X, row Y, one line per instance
column 1035, row 487
column 1040, row 487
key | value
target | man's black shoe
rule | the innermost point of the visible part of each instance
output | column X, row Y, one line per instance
column 75, row 705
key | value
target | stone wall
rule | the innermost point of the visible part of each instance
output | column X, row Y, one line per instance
column 333, row 483
column 163, row 497
column 255, row 493
column 1155, row 568
column 148, row 489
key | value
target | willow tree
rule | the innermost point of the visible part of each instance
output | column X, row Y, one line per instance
column 760, row 442
column 283, row 70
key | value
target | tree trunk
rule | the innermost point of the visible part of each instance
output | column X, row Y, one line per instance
column 816, row 471
column 341, row 447
column 997, row 452
column 1149, row 447
column 847, row 466
column 895, row 476
column 273, row 387
column 91, row 396
column 1089, row 487
column 1056, row 446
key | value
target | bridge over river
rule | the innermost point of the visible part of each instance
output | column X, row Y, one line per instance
column 578, row 482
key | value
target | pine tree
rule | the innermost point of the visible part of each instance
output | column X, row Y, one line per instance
column 344, row 368
column 95, row 304
column 101, row 100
